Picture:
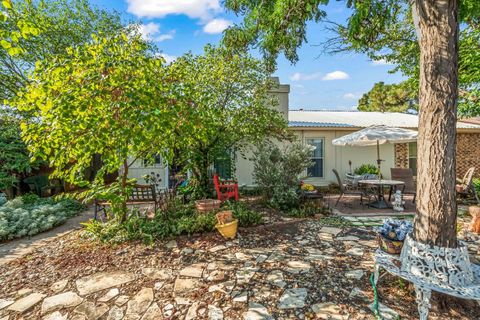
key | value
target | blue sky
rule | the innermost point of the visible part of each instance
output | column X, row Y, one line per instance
column 318, row 81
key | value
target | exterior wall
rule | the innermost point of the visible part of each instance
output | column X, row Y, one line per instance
column 137, row 170
column 468, row 153
column 401, row 155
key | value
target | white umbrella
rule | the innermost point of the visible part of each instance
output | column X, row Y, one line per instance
column 376, row 135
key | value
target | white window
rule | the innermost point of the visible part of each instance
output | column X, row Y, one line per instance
column 155, row 162
column 317, row 157
column 412, row 157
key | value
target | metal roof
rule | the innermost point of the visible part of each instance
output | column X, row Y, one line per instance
column 358, row 119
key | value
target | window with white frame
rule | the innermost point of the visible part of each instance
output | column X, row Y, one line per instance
column 155, row 161
column 412, row 157
column 317, row 157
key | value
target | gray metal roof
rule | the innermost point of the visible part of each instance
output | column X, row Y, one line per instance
column 358, row 119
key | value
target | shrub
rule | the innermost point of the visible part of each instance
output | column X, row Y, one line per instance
column 246, row 216
column 308, row 209
column 19, row 218
column 277, row 172
column 476, row 184
column 366, row 169
column 3, row 198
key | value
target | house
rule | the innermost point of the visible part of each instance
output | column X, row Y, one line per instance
column 320, row 127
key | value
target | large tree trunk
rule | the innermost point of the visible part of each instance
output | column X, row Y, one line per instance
column 437, row 24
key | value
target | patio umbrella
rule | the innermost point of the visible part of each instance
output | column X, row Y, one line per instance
column 376, row 135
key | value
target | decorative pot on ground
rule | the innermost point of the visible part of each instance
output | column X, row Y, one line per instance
column 207, row 205
column 391, row 235
column 474, row 211
column 226, row 224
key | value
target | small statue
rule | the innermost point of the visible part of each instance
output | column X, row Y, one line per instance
column 398, row 202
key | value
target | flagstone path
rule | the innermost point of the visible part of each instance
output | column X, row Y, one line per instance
column 300, row 270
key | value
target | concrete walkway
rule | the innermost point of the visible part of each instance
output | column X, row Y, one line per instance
column 20, row 247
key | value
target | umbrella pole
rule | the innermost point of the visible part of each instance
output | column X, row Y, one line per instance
column 379, row 161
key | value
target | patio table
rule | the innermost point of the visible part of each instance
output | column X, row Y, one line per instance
column 380, row 184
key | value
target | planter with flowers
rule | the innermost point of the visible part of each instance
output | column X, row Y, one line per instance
column 226, row 224
column 308, row 188
column 392, row 233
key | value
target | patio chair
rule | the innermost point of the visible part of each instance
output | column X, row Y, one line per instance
column 39, row 184
column 405, row 175
column 465, row 186
column 225, row 189
column 347, row 190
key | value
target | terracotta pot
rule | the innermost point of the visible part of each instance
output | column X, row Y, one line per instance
column 474, row 211
column 228, row 230
column 207, row 205
column 389, row 246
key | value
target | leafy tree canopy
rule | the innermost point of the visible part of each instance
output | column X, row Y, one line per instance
column 108, row 97
column 388, row 98
column 33, row 31
column 225, row 104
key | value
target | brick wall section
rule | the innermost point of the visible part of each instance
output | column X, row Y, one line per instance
column 468, row 153
column 401, row 155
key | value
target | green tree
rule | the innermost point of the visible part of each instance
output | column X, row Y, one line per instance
column 33, row 31
column 226, row 106
column 388, row 98
column 107, row 97
column 14, row 158
column 280, row 26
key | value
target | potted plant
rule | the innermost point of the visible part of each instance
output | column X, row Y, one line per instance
column 226, row 224
column 392, row 233
column 207, row 205
column 308, row 188
column 474, row 211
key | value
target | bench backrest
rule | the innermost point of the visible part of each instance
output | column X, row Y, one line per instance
column 142, row 193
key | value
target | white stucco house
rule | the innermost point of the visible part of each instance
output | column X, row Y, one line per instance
column 320, row 127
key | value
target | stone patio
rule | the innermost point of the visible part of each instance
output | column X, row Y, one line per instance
column 294, row 270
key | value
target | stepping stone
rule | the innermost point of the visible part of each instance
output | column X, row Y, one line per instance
column 24, row 292
column 241, row 297
column 328, row 310
column 297, row 266
column 331, row 230
column 59, row 286
column 27, row 302
column 91, row 311
column 140, row 302
column 171, row 244
column 217, row 248
column 5, row 303
column 385, row 312
column 242, row 256
column 121, row 300
column 62, row 300
column 347, row 238
column 155, row 273
column 214, row 313
column 256, row 312
column 355, row 251
column 354, row 274
column 101, row 281
column 115, row 313
column 193, row 271
column 276, row 278
column 192, row 311
column 293, row 298
column 182, row 301
column 152, row 313
column 244, row 275
column 185, row 285
column 112, row 293
column 325, row 237
column 55, row 316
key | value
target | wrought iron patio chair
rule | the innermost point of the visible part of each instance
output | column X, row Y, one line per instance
column 405, row 175
column 347, row 190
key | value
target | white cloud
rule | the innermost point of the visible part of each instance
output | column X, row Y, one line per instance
column 216, row 26
column 168, row 58
column 297, row 76
column 151, row 32
column 349, row 96
column 201, row 9
column 336, row 75
column 381, row 62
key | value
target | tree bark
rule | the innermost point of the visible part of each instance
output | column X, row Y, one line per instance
column 435, row 221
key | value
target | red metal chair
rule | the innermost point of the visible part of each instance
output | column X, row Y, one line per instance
column 225, row 189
